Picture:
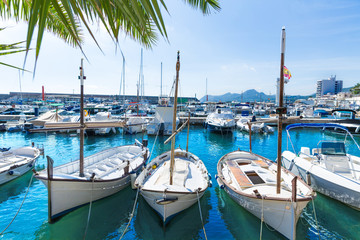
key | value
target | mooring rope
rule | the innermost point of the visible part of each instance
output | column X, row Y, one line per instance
column 202, row 222
column 317, row 225
column 131, row 215
column 282, row 219
column 89, row 213
column 262, row 216
column 20, row 206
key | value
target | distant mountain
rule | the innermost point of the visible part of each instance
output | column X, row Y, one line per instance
column 248, row 96
column 347, row 89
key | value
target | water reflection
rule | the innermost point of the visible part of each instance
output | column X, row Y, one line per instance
column 108, row 217
column 331, row 226
column 241, row 223
column 15, row 187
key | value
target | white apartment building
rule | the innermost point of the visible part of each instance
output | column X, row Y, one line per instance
column 328, row 86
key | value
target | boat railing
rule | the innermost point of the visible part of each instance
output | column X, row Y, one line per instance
column 336, row 168
column 312, row 157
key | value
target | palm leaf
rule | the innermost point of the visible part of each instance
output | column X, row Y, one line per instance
column 142, row 20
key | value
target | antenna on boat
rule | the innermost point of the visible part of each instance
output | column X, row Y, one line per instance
column 82, row 78
column 280, row 111
column 172, row 156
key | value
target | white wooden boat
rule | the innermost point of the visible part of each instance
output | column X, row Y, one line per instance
column 327, row 167
column 262, row 187
column 190, row 181
column 16, row 162
column 174, row 180
column 105, row 173
column 250, row 180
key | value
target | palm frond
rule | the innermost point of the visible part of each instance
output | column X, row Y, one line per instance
column 142, row 20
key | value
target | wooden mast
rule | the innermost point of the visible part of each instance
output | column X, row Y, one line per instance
column 82, row 126
column 172, row 156
column 280, row 110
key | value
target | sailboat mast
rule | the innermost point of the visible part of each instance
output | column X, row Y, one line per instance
column 172, row 156
column 82, row 77
column 161, row 82
column 20, row 87
column 141, row 76
column 280, row 111
column 207, row 99
column 123, row 79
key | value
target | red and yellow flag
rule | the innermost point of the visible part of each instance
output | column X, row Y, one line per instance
column 287, row 73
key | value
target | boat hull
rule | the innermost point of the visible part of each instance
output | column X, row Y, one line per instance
column 218, row 128
column 345, row 190
column 67, row 195
column 167, row 205
column 16, row 172
column 280, row 215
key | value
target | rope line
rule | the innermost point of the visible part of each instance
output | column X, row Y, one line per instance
column 132, row 214
column 89, row 213
column 262, row 216
column 202, row 222
column 282, row 219
column 317, row 225
column 19, row 207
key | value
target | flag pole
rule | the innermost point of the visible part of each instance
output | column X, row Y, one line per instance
column 280, row 111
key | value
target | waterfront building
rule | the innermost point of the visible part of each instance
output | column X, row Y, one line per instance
column 329, row 86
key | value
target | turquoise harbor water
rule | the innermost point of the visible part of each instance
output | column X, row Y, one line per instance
column 223, row 218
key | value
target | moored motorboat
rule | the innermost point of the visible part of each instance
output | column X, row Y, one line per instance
column 222, row 120
column 16, row 162
column 327, row 167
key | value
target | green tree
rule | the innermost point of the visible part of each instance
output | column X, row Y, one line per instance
column 142, row 20
column 355, row 89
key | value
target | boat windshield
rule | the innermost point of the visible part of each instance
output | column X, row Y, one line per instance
column 333, row 148
column 225, row 115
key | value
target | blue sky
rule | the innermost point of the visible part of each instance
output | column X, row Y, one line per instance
column 236, row 49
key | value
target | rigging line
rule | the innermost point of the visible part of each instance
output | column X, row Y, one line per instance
column 132, row 213
column 20, row 206
column 157, row 134
column 202, row 222
column 91, row 199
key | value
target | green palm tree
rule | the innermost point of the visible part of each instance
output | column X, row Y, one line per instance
column 140, row 19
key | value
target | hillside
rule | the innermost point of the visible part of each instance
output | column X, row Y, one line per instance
column 248, row 96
